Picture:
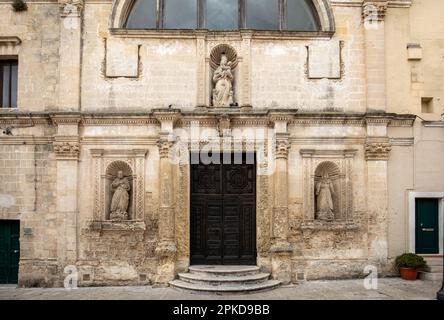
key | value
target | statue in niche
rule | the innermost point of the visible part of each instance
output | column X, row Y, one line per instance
column 324, row 192
column 223, row 78
column 120, row 200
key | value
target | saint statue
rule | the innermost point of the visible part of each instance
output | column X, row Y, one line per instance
column 324, row 193
column 120, row 200
column 223, row 78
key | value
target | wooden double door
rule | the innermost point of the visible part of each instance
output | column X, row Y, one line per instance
column 223, row 212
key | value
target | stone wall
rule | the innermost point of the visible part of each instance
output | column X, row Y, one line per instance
column 38, row 53
column 27, row 189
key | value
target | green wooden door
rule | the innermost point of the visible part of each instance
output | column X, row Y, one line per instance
column 427, row 227
column 9, row 250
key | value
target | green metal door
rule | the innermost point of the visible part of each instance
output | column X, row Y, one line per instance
column 9, row 250
column 427, row 226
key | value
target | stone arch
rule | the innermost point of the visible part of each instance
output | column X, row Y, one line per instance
column 110, row 173
column 121, row 9
column 335, row 175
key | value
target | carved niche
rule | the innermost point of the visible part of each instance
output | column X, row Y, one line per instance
column 223, row 62
column 111, row 167
column 327, row 184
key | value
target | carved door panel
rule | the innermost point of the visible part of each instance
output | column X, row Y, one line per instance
column 223, row 214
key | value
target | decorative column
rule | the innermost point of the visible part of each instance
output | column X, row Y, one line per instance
column 377, row 152
column 166, row 250
column 281, row 249
column 70, row 54
column 373, row 12
column 67, row 150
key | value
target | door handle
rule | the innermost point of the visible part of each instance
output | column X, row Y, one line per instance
column 428, row 229
column 15, row 251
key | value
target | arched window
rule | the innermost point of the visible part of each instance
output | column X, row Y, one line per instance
column 294, row 15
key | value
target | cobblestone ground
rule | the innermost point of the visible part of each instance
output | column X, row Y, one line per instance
column 388, row 288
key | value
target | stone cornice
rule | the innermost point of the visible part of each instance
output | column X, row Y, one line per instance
column 344, row 153
column 226, row 35
column 256, row 117
column 66, row 119
column 358, row 3
column 9, row 41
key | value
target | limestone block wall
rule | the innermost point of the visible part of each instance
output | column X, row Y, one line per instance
column 38, row 53
column 168, row 68
column 27, row 193
column 280, row 70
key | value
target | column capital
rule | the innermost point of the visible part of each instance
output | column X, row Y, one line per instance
column 282, row 147
column 67, row 147
column 377, row 150
column 70, row 8
column 167, row 118
column 374, row 10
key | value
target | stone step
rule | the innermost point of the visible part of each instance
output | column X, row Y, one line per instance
column 229, row 279
column 434, row 269
column 217, row 271
column 222, row 289
column 433, row 260
column 430, row 275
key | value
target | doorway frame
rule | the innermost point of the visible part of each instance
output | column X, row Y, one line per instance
column 412, row 218
column 256, row 181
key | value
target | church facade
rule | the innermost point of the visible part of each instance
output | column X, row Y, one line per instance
column 140, row 138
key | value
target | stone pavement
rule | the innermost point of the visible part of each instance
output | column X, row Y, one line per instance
column 388, row 288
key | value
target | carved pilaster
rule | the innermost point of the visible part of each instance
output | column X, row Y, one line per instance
column 375, row 151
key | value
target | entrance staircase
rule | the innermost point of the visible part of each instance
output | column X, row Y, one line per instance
column 224, row 279
column 434, row 268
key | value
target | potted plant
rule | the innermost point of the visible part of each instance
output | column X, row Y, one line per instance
column 408, row 264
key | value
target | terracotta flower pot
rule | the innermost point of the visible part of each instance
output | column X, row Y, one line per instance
column 408, row 273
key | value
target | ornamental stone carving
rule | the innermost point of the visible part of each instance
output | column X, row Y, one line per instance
column 374, row 11
column 66, row 150
column 120, row 198
column 324, row 198
column 282, row 147
column 165, row 146
column 70, row 8
column 223, row 84
column 223, row 60
column 377, row 151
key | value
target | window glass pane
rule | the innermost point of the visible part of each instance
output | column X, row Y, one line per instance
column 14, row 70
column 5, row 94
column 222, row 15
column 301, row 16
column 262, row 14
column 143, row 15
column 180, row 14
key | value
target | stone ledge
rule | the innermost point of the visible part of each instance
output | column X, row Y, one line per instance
column 212, row 35
column 329, row 225
column 109, row 225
